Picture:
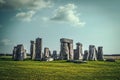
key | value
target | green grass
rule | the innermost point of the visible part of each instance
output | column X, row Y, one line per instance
column 58, row 70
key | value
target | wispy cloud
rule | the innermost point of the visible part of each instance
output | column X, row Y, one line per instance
column 25, row 4
column 25, row 16
column 5, row 42
column 2, row 2
column 67, row 13
column 27, row 8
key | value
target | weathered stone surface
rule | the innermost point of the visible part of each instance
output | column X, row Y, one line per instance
column 65, row 40
column 19, row 52
column 100, row 53
column 50, row 53
column 78, row 55
column 47, row 55
column 92, row 53
column 47, row 52
column 110, row 60
column 25, row 54
column 71, row 53
column 86, row 54
column 54, row 55
column 77, row 61
column 66, row 51
column 64, row 54
column 75, row 54
column 38, row 49
column 32, row 50
column 14, row 52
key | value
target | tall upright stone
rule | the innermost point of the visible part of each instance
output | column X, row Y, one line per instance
column 66, row 51
column 14, row 52
column 92, row 53
column 25, row 54
column 85, row 56
column 71, row 51
column 54, row 55
column 32, row 50
column 100, row 53
column 47, row 52
column 19, row 52
column 78, row 55
column 50, row 54
column 38, row 49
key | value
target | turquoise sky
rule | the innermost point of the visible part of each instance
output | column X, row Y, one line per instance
column 94, row 22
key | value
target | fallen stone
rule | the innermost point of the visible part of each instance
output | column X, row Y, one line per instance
column 110, row 60
column 77, row 61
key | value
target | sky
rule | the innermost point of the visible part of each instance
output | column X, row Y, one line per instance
column 90, row 22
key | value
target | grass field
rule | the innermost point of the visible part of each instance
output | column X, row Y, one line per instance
column 58, row 70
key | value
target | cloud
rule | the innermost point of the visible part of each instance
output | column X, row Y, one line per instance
column 5, row 42
column 25, row 4
column 45, row 18
column 25, row 16
column 67, row 14
column 28, row 8
column 2, row 1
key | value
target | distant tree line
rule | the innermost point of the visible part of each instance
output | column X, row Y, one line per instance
column 8, row 54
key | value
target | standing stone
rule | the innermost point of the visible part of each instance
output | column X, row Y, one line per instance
column 71, row 52
column 54, row 55
column 14, row 52
column 75, row 51
column 100, row 53
column 38, row 49
column 25, row 54
column 19, row 52
column 32, row 50
column 66, row 51
column 86, row 54
column 92, row 53
column 47, row 55
column 47, row 52
column 50, row 55
column 78, row 55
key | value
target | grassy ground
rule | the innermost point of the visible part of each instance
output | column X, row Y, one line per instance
column 58, row 70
